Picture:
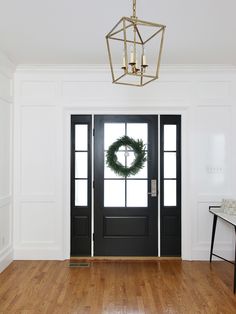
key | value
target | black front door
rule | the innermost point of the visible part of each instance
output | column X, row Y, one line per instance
column 125, row 208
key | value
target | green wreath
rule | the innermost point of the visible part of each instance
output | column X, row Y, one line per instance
column 139, row 151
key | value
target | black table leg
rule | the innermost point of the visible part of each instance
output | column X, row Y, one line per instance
column 213, row 235
column 235, row 263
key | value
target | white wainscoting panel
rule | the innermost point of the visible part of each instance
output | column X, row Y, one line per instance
column 213, row 159
column 38, row 151
column 5, row 119
column 214, row 154
column 38, row 92
column 77, row 91
column 38, row 223
column 214, row 90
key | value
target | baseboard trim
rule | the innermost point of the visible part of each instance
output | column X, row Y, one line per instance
column 6, row 257
column 204, row 254
column 121, row 258
column 38, row 254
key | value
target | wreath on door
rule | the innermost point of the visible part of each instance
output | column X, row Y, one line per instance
column 139, row 152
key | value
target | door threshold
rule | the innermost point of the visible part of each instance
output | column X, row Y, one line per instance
column 124, row 258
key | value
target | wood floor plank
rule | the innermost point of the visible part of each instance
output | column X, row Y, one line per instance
column 112, row 287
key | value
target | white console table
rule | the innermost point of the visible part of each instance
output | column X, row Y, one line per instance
column 231, row 219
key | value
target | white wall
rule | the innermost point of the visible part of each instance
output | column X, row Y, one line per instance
column 44, row 99
column 6, row 74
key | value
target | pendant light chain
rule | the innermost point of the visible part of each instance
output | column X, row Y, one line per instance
column 134, row 9
column 134, row 65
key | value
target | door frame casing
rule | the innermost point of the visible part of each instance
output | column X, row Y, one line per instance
column 185, row 217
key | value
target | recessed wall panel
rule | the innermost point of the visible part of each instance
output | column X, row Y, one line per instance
column 213, row 150
column 213, row 90
column 38, row 222
column 74, row 91
column 33, row 92
column 38, row 151
column 4, row 148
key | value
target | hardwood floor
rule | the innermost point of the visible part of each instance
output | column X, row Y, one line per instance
column 117, row 287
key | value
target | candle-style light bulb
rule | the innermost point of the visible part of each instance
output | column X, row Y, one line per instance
column 123, row 62
column 132, row 60
column 144, row 61
column 136, row 64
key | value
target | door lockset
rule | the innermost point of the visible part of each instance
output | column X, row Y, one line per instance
column 153, row 192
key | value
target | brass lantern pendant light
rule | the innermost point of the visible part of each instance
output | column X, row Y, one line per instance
column 134, row 49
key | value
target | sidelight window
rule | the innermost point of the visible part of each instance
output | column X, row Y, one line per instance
column 169, row 160
column 169, row 164
column 81, row 165
column 170, row 183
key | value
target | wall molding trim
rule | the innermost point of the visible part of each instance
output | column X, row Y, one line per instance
column 204, row 254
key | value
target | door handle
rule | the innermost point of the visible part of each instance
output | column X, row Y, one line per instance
column 153, row 192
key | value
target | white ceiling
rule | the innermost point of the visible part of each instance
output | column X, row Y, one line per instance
column 72, row 31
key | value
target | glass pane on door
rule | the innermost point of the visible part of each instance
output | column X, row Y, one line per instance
column 170, row 165
column 81, row 137
column 138, row 131
column 114, row 193
column 137, row 193
column 143, row 173
column 169, row 192
column 108, row 173
column 81, row 165
column 81, row 192
column 169, row 137
column 112, row 131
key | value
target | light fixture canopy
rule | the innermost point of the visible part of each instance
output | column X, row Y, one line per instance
column 137, row 46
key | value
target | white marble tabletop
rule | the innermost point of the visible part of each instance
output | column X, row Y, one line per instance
column 219, row 212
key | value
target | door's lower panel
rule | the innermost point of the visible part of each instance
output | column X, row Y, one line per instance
column 125, row 226
column 124, row 246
